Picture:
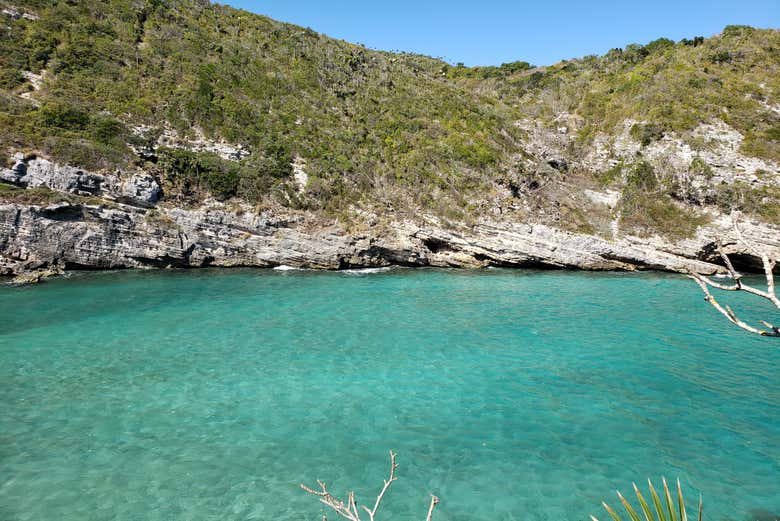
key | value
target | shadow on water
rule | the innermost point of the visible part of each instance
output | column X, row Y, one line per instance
column 759, row 514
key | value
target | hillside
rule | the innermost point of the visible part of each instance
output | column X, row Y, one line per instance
column 366, row 122
column 218, row 104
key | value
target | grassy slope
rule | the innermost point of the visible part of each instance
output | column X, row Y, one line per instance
column 360, row 118
column 374, row 127
column 672, row 86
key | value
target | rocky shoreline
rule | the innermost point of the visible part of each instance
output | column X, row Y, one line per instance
column 67, row 235
column 117, row 221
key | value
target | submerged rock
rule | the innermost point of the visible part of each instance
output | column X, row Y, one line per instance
column 34, row 277
column 760, row 514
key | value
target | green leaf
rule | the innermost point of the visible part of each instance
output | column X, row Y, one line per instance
column 611, row 512
column 657, row 502
column 665, row 510
column 643, row 503
column 669, row 502
column 681, row 502
column 628, row 507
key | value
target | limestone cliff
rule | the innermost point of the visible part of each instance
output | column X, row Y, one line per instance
column 99, row 222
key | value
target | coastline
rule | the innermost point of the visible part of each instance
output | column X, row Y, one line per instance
column 77, row 235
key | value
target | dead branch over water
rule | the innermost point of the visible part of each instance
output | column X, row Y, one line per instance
column 738, row 285
column 349, row 509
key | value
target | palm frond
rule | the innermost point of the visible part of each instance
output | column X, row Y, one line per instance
column 666, row 509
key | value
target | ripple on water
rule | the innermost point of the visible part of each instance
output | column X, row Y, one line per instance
column 512, row 395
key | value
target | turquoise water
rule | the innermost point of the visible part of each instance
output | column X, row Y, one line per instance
column 528, row 395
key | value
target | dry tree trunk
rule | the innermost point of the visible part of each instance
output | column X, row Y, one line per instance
column 769, row 266
column 349, row 510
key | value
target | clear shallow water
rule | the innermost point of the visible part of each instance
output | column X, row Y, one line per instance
column 512, row 395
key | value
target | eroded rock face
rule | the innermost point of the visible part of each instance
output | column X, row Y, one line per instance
column 87, row 236
column 671, row 154
column 141, row 188
column 16, row 14
column 132, row 188
column 9, row 176
column 133, row 232
column 41, row 172
column 170, row 138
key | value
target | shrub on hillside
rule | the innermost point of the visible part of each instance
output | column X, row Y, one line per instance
column 184, row 172
column 659, row 45
column 58, row 115
column 647, row 133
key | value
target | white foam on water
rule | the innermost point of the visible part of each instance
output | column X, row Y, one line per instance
column 285, row 267
column 367, row 271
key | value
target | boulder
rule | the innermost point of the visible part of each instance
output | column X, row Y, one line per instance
column 15, row 174
column 8, row 175
column 137, row 188
column 42, row 172
column 141, row 189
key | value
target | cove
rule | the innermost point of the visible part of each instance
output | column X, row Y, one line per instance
column 210, row 395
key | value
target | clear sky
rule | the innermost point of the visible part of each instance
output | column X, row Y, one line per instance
column 490, row 32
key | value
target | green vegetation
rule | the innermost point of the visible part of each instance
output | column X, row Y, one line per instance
column 763, row 203
column 644, row 215
column 666, row 509
column 158, row 218
column 666, row 86
column 184, row 172
column 375, row 129
column 44, row 196
column 504, row 70
column 360, row 118
column 647, row 133
column 647, row 206
column 700, row 167
column 611, row 175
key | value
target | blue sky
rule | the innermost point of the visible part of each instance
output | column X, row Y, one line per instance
column 490, row 32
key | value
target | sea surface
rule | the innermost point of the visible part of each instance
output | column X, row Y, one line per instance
column 527, row 395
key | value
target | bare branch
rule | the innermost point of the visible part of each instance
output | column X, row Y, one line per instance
column 727, row 311
column 766, row 261
column 393, row 465
column 349, row 510
column 770, row 326
column 741, row 238
column 344, row 510
column 732, row 272
column 434, row 502
column 741, row 286
column 769, row 294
